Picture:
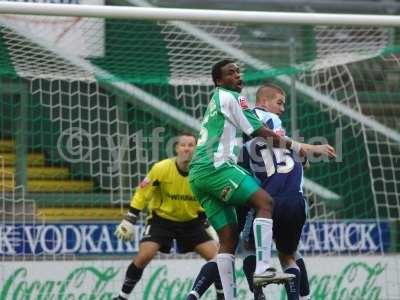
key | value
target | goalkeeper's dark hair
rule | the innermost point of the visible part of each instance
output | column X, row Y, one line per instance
column 187, row 133
column 184, row 133
column 216, row 72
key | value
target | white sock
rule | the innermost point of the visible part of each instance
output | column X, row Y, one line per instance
column 194, row 293
column 262, row 228
column 226, row 269
column 305, row 297
column 123, row 295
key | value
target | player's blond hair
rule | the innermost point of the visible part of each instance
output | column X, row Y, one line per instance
column 269, row 89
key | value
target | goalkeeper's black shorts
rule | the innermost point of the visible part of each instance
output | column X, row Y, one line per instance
column 187, row 235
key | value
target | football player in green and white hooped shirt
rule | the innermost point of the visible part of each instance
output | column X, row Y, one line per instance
column 219, row 184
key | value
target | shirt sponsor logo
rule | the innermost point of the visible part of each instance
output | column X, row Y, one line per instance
column 180, row 197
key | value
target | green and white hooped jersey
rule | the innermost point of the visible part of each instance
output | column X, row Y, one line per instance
column 227, row 116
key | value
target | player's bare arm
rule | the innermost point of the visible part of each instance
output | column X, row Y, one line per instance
column 302, row 149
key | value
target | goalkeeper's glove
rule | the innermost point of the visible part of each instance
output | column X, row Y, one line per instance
column 125, row 231
column 210, row 230
column 212, row 233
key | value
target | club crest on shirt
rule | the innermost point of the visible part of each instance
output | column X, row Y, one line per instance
column 243, row 102
column 144, row 183
column 225, row 193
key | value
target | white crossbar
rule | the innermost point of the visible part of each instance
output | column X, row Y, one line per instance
column 156, row 13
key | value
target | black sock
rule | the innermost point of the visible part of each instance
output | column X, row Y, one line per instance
column 208, row 274
column 304, row 286
column 132, row 276
column 249, row 266
column 292, row 287
column 258, row 293
column 218, row 286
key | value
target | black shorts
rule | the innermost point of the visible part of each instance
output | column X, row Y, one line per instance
column 187, row 234
column 289, row 216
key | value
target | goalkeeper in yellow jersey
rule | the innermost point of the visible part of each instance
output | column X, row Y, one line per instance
column 174, row 213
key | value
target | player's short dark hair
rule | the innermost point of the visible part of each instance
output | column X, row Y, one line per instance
column 216, row 72
column 187, row 133
column 184, row 133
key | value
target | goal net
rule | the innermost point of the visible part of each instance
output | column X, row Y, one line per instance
column 89, row 104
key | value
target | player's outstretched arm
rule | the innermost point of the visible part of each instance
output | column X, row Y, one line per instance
column 275, row 140
column 302, row 149
column 325, row 149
